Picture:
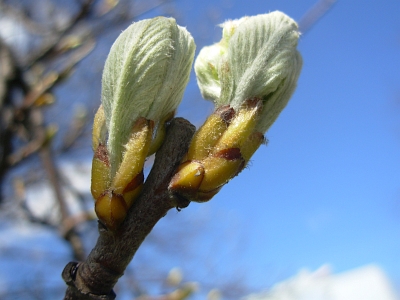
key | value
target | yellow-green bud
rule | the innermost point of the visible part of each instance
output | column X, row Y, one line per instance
column 252, row 73
column 256, row 57
column 144, row 78
column 145, row 75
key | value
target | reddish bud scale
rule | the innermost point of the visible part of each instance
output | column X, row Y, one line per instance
column 208, row 135
column 100, row 172
column 113, row 197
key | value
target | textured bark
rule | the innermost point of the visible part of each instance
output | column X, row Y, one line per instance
column 96, row 277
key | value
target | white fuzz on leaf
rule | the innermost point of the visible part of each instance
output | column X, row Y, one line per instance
column 257, row 57
column 145, row 75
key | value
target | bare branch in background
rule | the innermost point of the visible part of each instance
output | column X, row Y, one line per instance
column 46, row 51
column 315, row 13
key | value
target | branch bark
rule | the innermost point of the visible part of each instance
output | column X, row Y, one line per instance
column 53, row 174
column 96, row 277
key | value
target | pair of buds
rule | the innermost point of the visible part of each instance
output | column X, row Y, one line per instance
column 220, row 149
column 144, row 79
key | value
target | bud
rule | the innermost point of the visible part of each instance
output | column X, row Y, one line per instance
column 145, row 75
column 175, row 277
column 252, row 71
column 144, row 78
column 256, row 57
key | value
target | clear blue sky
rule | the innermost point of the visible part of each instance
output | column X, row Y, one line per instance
column 326, row 189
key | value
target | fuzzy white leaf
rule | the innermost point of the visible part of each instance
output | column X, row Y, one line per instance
column 145, row 75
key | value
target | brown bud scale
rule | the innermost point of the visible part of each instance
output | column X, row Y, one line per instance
column 229, row 154
column 134, row 183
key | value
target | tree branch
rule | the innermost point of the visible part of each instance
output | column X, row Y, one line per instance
column 96, row 277
column 84, row 11
column 315, row 13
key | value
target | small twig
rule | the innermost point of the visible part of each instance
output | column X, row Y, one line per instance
column 53, row 78
column 44, row 52
column 77, row 128
column 80, row 196
column 54, row 178
column 20, row 197
column 25, row 151
column 104, row 27
column 23, row 18
column 314, row 14
column 96, row 277
column 148, row 8
column 72, row 221
column 70, row 235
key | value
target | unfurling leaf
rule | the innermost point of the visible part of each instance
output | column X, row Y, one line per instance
column 252, row 73
column 144, row 78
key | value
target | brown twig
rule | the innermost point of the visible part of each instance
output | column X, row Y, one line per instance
column 96, row 277
column 53, row 175
column 78, row 127
column 315, row 13
column 146, row 7
column 53, row 78
column 84, row 11
column 23, row 18
column 48, row 82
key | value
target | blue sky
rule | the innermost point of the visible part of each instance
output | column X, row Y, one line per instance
column 326, row 189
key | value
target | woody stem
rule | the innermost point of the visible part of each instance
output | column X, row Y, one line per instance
column 96, row 276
